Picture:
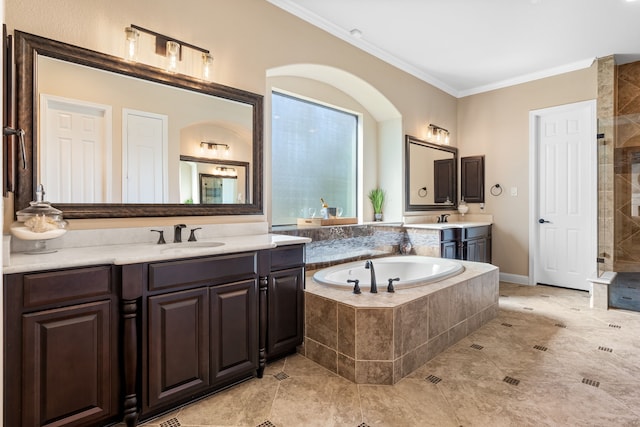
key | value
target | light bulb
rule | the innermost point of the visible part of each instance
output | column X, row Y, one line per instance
column 131, row 43
column 173, row 52
column 207, row 66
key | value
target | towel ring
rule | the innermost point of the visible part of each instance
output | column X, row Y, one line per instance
column 422, row 192
column 496, row 190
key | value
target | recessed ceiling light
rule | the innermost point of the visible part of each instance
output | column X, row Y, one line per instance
column 356, row 33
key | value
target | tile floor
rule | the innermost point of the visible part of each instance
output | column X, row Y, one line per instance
column 547, row 360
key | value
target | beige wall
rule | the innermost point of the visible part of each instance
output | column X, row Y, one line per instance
column 496, row 124
column 247, row 38
column 250, row 37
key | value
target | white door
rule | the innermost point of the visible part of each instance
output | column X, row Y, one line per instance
column 563, row 215
column 75, row 144
column 144, row 157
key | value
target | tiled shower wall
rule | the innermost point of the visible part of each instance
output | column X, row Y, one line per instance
column 606, row 114
column 627, row 152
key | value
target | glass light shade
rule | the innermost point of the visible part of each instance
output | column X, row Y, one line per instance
column 131, row 43
column 207, row 66
column 173, row 52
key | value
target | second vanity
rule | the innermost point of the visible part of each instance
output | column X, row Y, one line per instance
column 96, row 335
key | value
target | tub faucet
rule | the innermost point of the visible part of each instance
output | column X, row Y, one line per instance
column 369, row 266
column 177, row 232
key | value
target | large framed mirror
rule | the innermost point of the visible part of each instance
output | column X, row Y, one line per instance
column 430, row 175
column 108, row 138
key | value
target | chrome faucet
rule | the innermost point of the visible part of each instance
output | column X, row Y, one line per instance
column 369, row 266
column 177, row 232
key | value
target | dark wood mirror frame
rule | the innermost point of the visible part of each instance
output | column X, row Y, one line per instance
column 452, row 166
column 29, row 46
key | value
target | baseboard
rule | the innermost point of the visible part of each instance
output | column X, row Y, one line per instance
column 518, row 279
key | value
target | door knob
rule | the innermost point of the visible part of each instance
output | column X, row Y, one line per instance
column 542, row 221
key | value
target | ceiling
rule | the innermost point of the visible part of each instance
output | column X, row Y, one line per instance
column 471, row 46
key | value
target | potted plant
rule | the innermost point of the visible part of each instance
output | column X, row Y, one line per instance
column 376, row 196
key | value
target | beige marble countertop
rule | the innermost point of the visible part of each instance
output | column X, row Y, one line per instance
column 132, row 253
column 443, row 225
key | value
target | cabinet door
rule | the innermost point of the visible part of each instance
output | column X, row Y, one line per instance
column 286, row 303
column 472, row 179
column 234, row 330
column 67, row 365
column 178, row 350
column 472, row 250
column 449, row 250
column 478, row 250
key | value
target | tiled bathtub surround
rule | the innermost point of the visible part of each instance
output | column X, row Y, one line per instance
column 381, row 338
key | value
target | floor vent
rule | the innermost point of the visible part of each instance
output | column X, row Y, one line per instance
column 433, row 379
column 477, row 346
column 511, row 381
column 607, row 349
column 545, row 296
column 281, row 376
column 611, row 325
column 528, row 308
column 540, row 347
column 172, row 422
column 508, row 325
column 591, row 382
column 560, row 325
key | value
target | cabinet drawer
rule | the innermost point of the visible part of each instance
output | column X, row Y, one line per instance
column 447, row 234
column 210, row 270
column 286, row 257
column 62, row 286
column 476, row 232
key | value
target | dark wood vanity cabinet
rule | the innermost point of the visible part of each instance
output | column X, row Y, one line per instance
column 96, row 345
column 285, row 296
column 199, row 327
column 469, row 244
column 61, row 348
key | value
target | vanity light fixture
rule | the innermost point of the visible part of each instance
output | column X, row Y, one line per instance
column 437, row 134
column 226, row 171
column 165, row 46
column 214, row 146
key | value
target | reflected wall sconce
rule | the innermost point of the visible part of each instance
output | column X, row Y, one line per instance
column 437, row 134
column 215, row 146
column 166, row 46
column 226, row 171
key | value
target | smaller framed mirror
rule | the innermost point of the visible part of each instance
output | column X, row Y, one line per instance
column 430, row 175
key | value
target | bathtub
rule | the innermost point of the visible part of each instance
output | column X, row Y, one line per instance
column 412, row 270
